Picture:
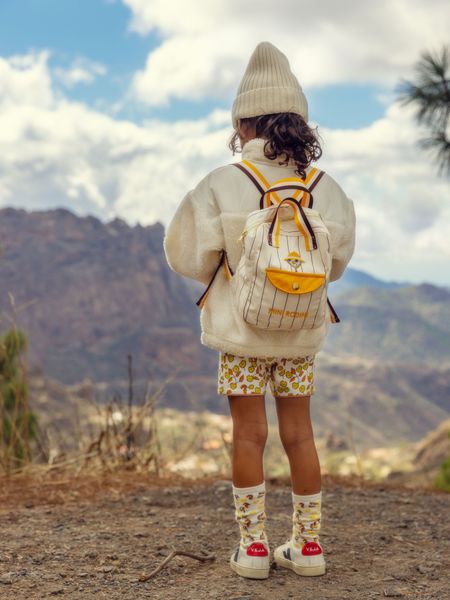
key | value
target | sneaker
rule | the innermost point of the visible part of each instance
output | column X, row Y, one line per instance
column 251, row 561
column 307, row 560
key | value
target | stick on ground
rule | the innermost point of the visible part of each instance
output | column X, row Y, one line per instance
column 202, row 557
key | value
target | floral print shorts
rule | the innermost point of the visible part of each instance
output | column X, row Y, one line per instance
column 244, row 375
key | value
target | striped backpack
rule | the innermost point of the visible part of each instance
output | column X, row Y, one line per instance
column 282, row 276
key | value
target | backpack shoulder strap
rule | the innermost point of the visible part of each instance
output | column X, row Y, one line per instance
column 251, row 175
column 313, row 178
column 256, row 177
column 261, row 183
column 307, row 184
column 228, row 273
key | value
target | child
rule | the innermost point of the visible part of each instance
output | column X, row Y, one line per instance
column 269, row 117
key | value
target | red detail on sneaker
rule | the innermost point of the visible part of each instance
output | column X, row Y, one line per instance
column 311, row 549
column 257, row 549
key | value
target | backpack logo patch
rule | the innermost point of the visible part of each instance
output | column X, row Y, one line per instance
column 294, row 260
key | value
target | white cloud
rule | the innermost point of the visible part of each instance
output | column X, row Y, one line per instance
column 60, row 152
column 25, row 80
column 206, row 44
column 402, row 206
column 81, row 71
column 54, row 152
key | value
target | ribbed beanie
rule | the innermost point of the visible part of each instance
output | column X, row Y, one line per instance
column 268, row 86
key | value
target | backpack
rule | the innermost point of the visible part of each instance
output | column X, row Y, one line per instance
column 282, row 277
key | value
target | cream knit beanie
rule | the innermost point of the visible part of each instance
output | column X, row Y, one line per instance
column 268, row 86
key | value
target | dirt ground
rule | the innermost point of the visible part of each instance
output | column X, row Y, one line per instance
column 92, row 537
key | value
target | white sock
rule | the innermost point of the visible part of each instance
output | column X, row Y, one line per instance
column 306, row 518
column 250, row 512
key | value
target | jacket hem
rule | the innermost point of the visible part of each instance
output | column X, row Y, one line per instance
column 269, row 350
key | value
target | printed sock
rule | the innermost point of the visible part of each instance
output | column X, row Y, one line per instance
column 306, row 518
column 250, row 512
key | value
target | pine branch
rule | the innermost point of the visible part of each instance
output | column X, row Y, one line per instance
column 429, row 93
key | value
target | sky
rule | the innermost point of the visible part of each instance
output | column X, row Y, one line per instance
column 117, row 108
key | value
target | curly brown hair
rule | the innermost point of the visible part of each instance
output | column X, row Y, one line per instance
column 287, row 134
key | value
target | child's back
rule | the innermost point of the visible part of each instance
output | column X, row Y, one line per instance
column 211, row 218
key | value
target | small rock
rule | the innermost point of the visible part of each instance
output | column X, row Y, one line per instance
column 393, row 593
column 424, row 569
column 6, row 578
column 83, row 574
column 56, row 591
column 107, row 569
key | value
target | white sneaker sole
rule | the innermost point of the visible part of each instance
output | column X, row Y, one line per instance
column 249, row 572
column 299, row 569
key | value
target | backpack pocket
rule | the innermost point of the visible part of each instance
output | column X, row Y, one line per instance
column 294, row 283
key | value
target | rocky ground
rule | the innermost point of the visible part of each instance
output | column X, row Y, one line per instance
column 86, row 537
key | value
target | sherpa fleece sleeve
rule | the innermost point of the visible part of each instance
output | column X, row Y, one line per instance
column 194, row 237
column 345, row 244
column 340, row 220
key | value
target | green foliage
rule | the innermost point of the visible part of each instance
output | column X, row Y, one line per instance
column 18, row 425
column 430, row 94
column 442, row 479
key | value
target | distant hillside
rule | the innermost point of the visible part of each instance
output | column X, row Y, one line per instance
column 93, row 292
column 353, row 278
column 384, row 402
column 404, row 324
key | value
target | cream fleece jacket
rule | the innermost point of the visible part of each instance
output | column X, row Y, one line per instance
column 211, row 217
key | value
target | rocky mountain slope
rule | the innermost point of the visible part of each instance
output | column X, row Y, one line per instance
column 408, row 324
column 92, row 292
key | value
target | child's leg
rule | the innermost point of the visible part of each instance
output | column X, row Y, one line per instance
column 250, row 432
column 297, row 437
column 243, row 379
column 249, row 490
